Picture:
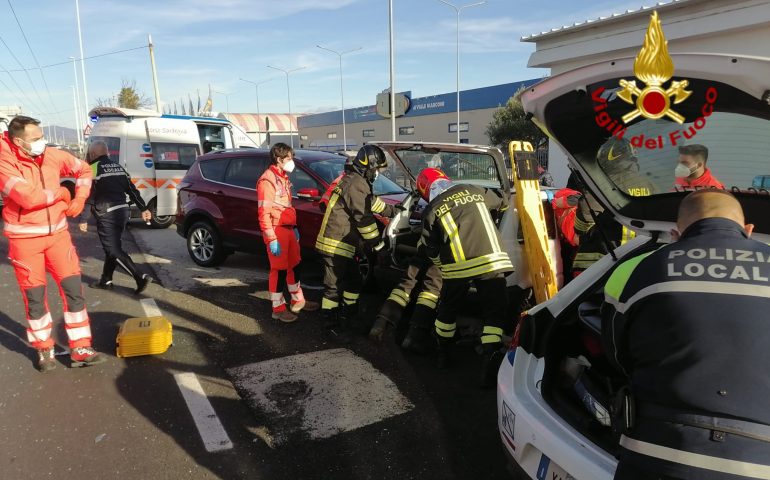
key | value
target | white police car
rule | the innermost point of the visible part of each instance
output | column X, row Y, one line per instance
column 555, row 388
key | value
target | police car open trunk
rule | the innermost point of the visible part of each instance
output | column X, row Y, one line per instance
column 623, row 124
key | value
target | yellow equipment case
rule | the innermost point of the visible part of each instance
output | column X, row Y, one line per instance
column 144, row 336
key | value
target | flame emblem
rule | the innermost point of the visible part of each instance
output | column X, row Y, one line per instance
column 654, row 67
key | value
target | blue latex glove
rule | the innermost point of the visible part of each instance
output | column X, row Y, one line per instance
column 275, row 248
column 296, row 233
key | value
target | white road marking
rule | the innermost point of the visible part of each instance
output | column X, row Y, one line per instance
column 319, row 393
column 210, row 428
column 221, row 282
column 150, row 308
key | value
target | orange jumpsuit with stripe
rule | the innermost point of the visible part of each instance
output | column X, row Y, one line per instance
column 277, row 220
column 39, row 241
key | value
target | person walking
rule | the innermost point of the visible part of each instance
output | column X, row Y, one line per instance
column 112, row 185
column 35, row 222
column 686, row 324
column 278, row 222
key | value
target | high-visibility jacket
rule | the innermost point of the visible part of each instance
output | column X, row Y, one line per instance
column 564, row 203
column 29, row 186
column 274, row 202
column 324, row 202
column 459, row 234
column 349, row 218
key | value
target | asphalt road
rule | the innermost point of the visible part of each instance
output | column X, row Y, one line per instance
column 285, row 401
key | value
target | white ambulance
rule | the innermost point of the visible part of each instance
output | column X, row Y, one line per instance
column 156, row 150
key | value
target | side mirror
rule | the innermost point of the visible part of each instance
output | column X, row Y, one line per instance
column 308, row 193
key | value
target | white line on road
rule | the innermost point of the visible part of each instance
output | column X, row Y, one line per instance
column 210, row 428
column 150, row 308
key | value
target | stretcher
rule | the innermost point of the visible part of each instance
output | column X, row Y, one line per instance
column 529, row 204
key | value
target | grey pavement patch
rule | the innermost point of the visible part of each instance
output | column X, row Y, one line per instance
column 317, row 394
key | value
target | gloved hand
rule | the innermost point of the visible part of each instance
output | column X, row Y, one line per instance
column 76, row 206
column 275, row 248
column 62, row 194
column 296, row 233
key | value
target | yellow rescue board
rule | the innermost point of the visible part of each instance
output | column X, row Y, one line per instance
column 144, row 336
column 529, row 204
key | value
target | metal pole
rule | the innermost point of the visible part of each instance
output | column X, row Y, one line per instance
column 82, row 61
column 78, row 122
column 457, row 60
column 155, row 75
column 288, row 95
column 342, row 93
column 256, row 91
column 392, row 75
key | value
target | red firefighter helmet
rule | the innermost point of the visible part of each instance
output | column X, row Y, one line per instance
column 426, row 178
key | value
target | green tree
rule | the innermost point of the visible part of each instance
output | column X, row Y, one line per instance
column 130, row 97
column 510, row 122
column 127, row 97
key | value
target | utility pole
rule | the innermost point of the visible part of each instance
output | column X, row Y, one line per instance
column 82, row 61
column 392, row 75
column 155, row 75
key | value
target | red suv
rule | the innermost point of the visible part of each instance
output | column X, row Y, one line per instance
column 217, row 200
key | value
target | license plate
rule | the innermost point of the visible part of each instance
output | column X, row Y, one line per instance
column 548, row 470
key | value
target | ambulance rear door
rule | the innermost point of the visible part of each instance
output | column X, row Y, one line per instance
column 174, row 144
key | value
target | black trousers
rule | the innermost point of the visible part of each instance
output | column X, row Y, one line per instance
column 420, row 285
column 110, row 227
column 494, row 302
column 342, row 281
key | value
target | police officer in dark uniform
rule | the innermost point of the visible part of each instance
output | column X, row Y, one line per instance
column 460, row 237
column 348, row 224
column 109, row 205
column 688, row 324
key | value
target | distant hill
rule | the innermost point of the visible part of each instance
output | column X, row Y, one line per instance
column 63, row 135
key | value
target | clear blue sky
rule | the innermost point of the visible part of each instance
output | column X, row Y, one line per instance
column 217, row 41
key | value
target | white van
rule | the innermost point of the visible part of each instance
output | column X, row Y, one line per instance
column 156, row 150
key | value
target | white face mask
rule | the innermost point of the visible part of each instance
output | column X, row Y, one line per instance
column 36, row 148
column 682, row 171
column 288, row 167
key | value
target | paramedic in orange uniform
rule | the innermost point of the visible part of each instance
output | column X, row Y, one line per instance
column 278, row 222
column 35, row 217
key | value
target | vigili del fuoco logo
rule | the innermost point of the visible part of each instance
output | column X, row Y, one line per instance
column 654, row 67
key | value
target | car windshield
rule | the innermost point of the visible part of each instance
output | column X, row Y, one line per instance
column 723, row 140
column 462, row 167
column 331, row 168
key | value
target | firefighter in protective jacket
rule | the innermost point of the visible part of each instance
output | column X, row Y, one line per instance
column 460, row 237
column 35, row 222
column 349, row 226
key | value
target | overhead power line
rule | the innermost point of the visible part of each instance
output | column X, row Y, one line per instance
column 26, row 73
column 26, row 40
column 85, row 58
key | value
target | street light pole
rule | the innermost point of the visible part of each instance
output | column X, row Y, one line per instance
column 457, row 11
column 227, row 99
column 82, row 60
column 256, row 90
column 79, row 124
column 288, row 95
column 392, row 74
column 342, row 94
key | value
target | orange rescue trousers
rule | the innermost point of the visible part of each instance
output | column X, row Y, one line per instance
column 31, row 258
column 287, row 260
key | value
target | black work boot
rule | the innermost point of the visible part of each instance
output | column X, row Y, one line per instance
column 335, row 329
column 492, row 356
column 381, row 325
column 417, row 340
column 349, row 318
column 141, row 283
column 102, row 284
column 444, row 348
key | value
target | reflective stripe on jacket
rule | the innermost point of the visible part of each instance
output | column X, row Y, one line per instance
column 274, row 202
column 459, row 234
column 349, row 218
column 29, row 186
